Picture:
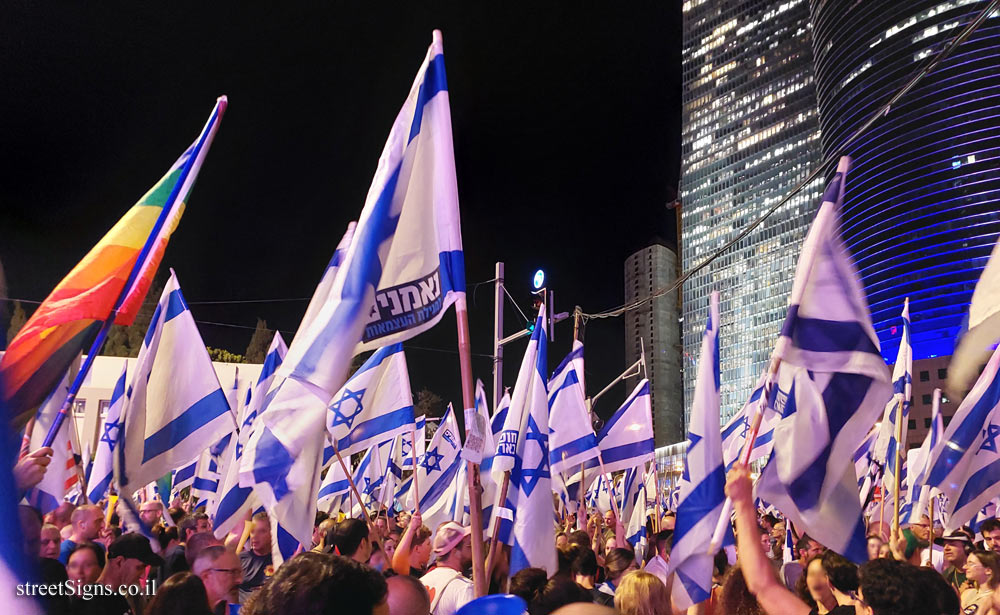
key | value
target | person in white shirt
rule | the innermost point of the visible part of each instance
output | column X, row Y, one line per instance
column 658, row 565
column 448, row 588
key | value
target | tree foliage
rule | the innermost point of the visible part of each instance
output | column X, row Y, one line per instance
column 260, row 341
column 126, row 341
column 222, row 355
column 17, row 320
column 428, row 403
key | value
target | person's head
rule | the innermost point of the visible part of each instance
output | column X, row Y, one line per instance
column 609, row 518
column 983, row 567
column 50, row 542
column 885, row 550
column 150, row 512
column 885, row 588
column 618, row 562
column 321, row 584
column 407, row 596
column 181, row 594
column 663, row 543
column 452, row 546
column 193, row 524
column 579, row 537
column 260, row 534
column 778, row 532
column 768, row 522
column 956, row 547
column 128, row 557
column 922, row 528
column 818, row 583
column 990, row 529
column 62, row 515
column 932, row 590
column 319, row 519
column 177, row 514
column 528, row 584
column 389, row 545
column 381, row 525
column 420, row 547
column 85, row 563
column 669, row 521
column 874, row 547
column 31, row 529
column 196, row 543
column 641, row 593
column 351, row 539
column 842, row 573
column 584, row 566
column 735, row 597
column 220, row 571
column 88, row 521
column 166, row 536
column 808, row 548
column 556, row 593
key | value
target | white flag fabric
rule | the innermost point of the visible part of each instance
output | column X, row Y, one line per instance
column 374, row 405
column 734, row 434
column 983, row 328
column 831, row 386
column 626, row 440
column 334, row 486
column 176, row 407
column 61, row 475
column 634, row 510
column 867, row 469
column 489, row 485
column 406, row 443
column 368, row 478
column 324, row 289
column 437, row 470
column 414, row 191
column 703, row 482
column 919, row 494
column 183, row 478
column 102, row 471
column 423, row 271
column 965, row 464
column 571, row 435
column 885, row 445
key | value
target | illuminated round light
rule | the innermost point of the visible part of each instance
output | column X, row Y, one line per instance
column 539, row 279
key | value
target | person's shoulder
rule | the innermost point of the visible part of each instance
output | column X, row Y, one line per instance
column 245, row 556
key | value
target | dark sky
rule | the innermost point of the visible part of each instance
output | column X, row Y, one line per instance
column 566, row 119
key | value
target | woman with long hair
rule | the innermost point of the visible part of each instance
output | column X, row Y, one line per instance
column 982, row 568
column 641, row 593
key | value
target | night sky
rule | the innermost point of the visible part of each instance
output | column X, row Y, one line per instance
column 566, row 119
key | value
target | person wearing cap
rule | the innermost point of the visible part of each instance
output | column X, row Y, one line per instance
column 448, row 588
column 128, row 557
column 957, row 545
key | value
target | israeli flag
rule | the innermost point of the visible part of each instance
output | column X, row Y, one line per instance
column 919, row 494
column 788, row 549
column 626, row 440
column 102, row 470
column 406, row 444
column 235, row 501
column 368, row 478
column 635, row 517
column 61, row 475
column 734, row 434
column 886, row 447
column 374, row 405
column 176, row 407
column 983, row 329
column 333, row 488
column 183, row 478
column 437, row 470
column 831, row 386
column 489, row 485
column 418, row 273
column 599, row 495
column 867, row 469
column 571, row 436
column 965, row 464
column 703, row 482
column 524, row 450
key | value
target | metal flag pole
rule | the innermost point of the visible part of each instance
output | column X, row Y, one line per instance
column 472, row 469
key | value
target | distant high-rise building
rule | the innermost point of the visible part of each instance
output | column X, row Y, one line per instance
column 654, row 326
column 749, row 135
column 922, row 202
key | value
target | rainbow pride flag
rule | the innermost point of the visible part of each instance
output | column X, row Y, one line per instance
column 110, row 282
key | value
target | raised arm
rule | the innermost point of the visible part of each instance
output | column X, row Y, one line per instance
column 401, row 557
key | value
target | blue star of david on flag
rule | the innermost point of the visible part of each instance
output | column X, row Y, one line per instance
column 340, row 416
column 110, row 435
column 990, row 435
column 531, row 476
column 431, row 460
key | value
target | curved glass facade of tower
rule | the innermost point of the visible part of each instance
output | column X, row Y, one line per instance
column 922, row 203
column 750, row 134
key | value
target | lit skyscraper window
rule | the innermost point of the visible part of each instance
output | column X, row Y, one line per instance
column 750, row 134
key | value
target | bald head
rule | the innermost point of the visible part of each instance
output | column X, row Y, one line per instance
column 407, row 596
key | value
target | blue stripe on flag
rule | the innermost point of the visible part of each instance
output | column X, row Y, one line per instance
column 232, row 501
column 622, row 411
column 963, row 437
column 702, row 500
column 580, row 445
column 434, row 82
column 626, row 451
column 173, row 433
column 983, row 479
column 817, row 335
column 175, row 305
column 440, row 485
column 376, row 426
column 271, row 464
column 184, row 473
column 340, row 486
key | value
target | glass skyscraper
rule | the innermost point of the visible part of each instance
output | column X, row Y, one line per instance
column 922, row 202
column 750, row 134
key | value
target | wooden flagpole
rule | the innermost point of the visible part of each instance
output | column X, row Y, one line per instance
column 354, row 488
column 413, row 454
column 897, row 463
column 583, row 500
column 472, row 469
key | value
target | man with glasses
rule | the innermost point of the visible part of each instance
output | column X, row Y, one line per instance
column 220, row 571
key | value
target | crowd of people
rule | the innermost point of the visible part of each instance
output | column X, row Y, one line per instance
column 397, row 565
